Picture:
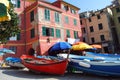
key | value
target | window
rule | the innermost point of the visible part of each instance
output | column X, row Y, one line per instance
column 81, row 22
column 75, row 22
column 65, row 8
column 13, row 48
column 14, row 38
column 91, row 29
column 119, row 19
column 32, row 32
column 18, row 36
column 67, row 33
column 66, row 19
column 58, row 33
column 47, row 14
column 89, row 19
column 72, row 11
column 84, row 39
column 83, row 30
column 47, row 31
column 100, row 26
column 117, row 9
column 92, row 40
column 31, row 16
column 57, row 17
column 16, row 3
column 75, row 34
column 102, row 37
column 98, row 16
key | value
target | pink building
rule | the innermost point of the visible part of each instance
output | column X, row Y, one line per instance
column 43, row 24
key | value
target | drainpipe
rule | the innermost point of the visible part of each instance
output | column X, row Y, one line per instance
column 24, row 28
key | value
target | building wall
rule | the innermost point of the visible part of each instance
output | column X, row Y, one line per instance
column 39, row 42
column 116, row 15
column 96, row 34
column 104, row 20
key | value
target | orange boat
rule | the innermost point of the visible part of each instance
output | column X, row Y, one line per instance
column 47, row 64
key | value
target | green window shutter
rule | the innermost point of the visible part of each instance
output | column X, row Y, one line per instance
column 68, row 33
column 57, row 17
column 44, row 31
column 47, row 14
column 18, row 3
column 66, row 19
column 75, row 22
column 58, row 33
column 18, row 36
column 52, row 32
column 75, row 34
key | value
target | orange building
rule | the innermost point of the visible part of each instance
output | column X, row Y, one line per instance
column 43, row 24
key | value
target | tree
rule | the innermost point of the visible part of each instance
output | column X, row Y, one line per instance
column 9, row 28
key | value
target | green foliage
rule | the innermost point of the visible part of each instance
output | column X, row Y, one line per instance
column 9, row 28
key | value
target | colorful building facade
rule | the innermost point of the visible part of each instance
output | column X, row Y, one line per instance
column 43, row 24
column 96, row 28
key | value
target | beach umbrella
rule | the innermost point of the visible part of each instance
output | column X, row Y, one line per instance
column 60, row 46
column 4, row 15
column 6, row 51
column 81, row 46
column 96, row 46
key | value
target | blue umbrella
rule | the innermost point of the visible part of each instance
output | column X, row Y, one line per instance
column 60, row 46
column 5, row 50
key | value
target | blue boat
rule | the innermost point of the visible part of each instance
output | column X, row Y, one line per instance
column 104, row 68
column 105, row 55
column 93, row 57
column 14, row 62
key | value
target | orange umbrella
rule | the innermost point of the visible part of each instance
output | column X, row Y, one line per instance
column 96, row 46
column 81, row 46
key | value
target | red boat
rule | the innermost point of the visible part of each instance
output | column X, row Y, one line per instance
column 45, row 65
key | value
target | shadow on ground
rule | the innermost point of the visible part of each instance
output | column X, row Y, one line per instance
column 25, row 74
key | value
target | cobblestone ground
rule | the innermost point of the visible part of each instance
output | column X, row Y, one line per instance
column 24, row 74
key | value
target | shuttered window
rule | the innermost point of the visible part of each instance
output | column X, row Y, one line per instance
column 18, row 3
column 47, row 14
column 75, row 22
column 18, row 36
column 66, row 19
column 58, row 33
column 57, row 17
column 75, row 34
column 68, row 33
column 47, row 31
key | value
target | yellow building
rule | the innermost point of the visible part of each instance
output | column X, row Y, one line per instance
column 96, row 28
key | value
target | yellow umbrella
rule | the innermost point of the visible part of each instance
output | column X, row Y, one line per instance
column 4, row 6
column 81, row 46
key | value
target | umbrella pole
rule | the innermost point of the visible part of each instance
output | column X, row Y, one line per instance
column 68, row 53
